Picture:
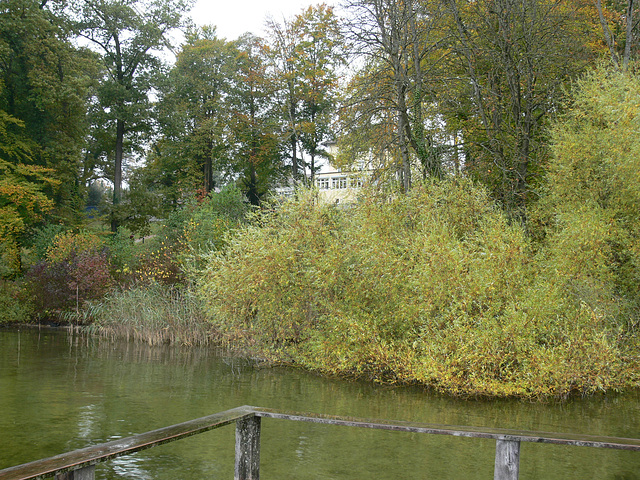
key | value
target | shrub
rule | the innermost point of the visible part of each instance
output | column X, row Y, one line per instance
column 434, row 287
column 44, row 238
column 124, row 256
column 189, row 234
column 76, row 269
column 9, row 258
column 594, row 193
column 160, row 264
column 68, row 244
column 14, row 307
column 270, row 289
column 37, row 245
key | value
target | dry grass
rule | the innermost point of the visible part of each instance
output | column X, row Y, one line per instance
column 153, row 314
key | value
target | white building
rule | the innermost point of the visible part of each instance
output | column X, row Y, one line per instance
column 336, row 186
column 340, row 186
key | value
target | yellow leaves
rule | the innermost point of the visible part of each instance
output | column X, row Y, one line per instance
column 25, row 196
column 434, row 287
column 159, row 265
column 68, row 243
column 22, row 201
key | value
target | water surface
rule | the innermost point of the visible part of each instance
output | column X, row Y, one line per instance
column 60, row 392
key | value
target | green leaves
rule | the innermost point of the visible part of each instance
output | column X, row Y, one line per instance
column 22, row 199
column 44, row 83
column 514, row 60
column 129, row 36
column 434, row 287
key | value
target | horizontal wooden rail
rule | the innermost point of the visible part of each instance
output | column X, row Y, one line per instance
column 90, row 456
column 458, row 431
column 80, row 464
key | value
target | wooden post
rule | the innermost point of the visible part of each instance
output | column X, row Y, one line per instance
column 248, row 448
column 507, row 460
column 86, row 473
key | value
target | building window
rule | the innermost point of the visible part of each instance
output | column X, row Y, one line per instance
column 323, row 183
column 356, row 183
column 339, row 182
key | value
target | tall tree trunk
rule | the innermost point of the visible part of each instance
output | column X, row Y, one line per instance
column 208, row 174
column 312, row 153
column 608, row 35
column 117, row 175
column 294, row 157
column 294, row 135
column 252, row 192
column 420, row 142
column 402, row 136
column 628, row 41
column 207, row 168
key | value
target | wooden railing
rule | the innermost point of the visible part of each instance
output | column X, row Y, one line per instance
column 80, row 464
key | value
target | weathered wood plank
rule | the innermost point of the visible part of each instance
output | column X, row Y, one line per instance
column 458, row 431
column 507, row 466
column 248, row 442
column 41, row 469
column 248, row 448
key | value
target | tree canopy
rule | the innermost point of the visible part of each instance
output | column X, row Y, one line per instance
column 129, row 34
column 416, row 89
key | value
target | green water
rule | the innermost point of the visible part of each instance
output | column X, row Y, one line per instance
column 61, row 392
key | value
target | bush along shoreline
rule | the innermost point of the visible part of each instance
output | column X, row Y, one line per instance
column 118, row 286
column 438, row 287
column 435, row 287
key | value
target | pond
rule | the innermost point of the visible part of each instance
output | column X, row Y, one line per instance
column 60, row 392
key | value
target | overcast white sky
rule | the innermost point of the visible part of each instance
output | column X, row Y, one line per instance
column 235, row 17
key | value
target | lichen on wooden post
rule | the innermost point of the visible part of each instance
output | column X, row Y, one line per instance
column 507, row 465
column 247, row 448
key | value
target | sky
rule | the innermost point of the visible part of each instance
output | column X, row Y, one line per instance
column 235, row 17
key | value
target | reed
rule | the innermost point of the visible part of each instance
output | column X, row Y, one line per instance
column 151, row 313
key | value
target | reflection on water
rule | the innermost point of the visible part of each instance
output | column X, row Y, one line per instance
column 129, row 466
column 60, row 392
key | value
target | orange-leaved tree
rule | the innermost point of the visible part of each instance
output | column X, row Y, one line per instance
column 22, row 201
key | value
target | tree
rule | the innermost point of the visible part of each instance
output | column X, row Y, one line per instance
column 319, row 55
column 129, row 34
column 617, row 21
column 254, row 126
column 281, row 50
column 367, row 126
column 45, row 85
column 22, row 199
column 219, row 120
column 513, row 60
column 305, row 55
column 193, row 111
column 397, row 38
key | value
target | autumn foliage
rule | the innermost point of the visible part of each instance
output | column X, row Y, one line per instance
column 76, row 269
column 438, row 287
